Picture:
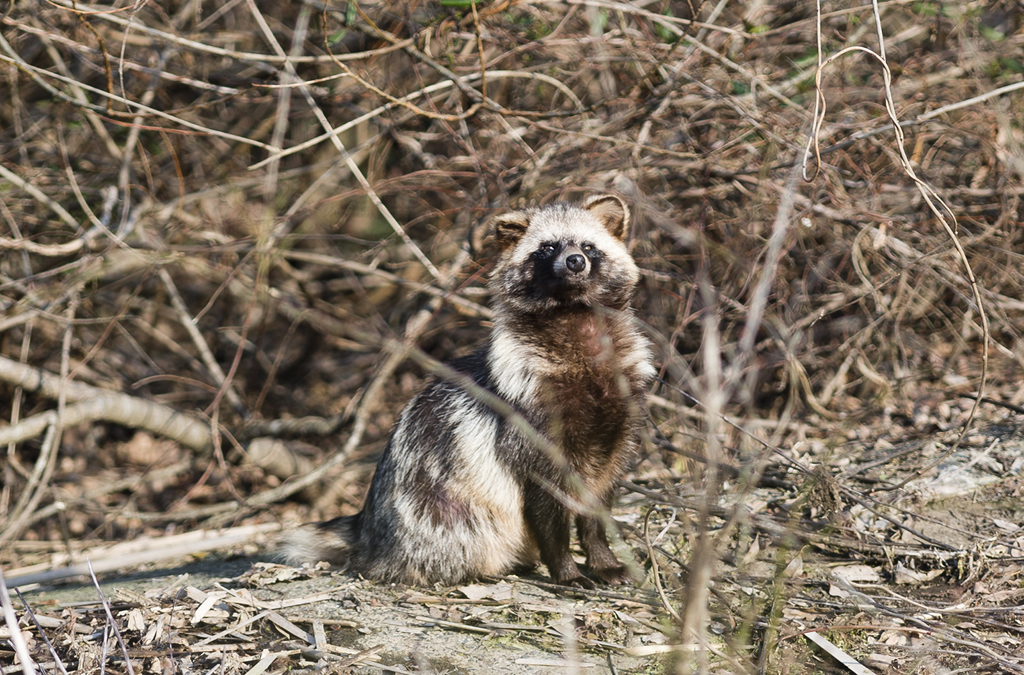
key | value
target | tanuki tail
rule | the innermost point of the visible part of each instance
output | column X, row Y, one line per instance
column 327, row 541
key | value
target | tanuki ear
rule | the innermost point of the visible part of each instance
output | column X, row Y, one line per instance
column 509, row 228
column 611, row 211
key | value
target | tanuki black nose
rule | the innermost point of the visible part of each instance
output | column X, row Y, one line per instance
column 576, row 263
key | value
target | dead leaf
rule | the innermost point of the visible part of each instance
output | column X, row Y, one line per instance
column 499, row 592
column 909, row 576
column 136, row 620
column 751, row 554
column 795, row 568
column 858, row 573
column 1006, row 525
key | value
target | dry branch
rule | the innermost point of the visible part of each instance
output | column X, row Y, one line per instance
column 95, row 404
column 127, row 555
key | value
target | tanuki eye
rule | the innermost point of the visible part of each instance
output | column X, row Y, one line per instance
column 547, row 249
column 587, row 248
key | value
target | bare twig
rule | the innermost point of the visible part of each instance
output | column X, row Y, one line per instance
column 928, row 194
column 655, row 571
column 111, row 621
column 142, row 552
column 199, row 341
column 38, row 482
column 322, row 119
column 28, row 665
column 97, row 404
column 36, row 193
column 129, row 411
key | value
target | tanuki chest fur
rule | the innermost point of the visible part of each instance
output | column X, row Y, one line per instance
column 589, row 401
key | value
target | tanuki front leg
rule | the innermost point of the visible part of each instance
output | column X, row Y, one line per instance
column 551, row 523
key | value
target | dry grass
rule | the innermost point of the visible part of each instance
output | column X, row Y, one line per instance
column 228, row 215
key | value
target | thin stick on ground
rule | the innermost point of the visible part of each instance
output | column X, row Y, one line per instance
column 655, row 572
column 28, row 665
column 40, row 631
column 111, row 620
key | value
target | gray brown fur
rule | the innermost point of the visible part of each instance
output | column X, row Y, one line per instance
column 459, row 492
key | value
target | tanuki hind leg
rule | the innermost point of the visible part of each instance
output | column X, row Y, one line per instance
column 600, row 560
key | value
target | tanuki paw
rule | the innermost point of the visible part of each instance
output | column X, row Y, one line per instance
column 616, row 574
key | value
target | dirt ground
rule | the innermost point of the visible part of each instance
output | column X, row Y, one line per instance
column 941, row 593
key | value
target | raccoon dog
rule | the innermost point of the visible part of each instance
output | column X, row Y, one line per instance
column 460, row 492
